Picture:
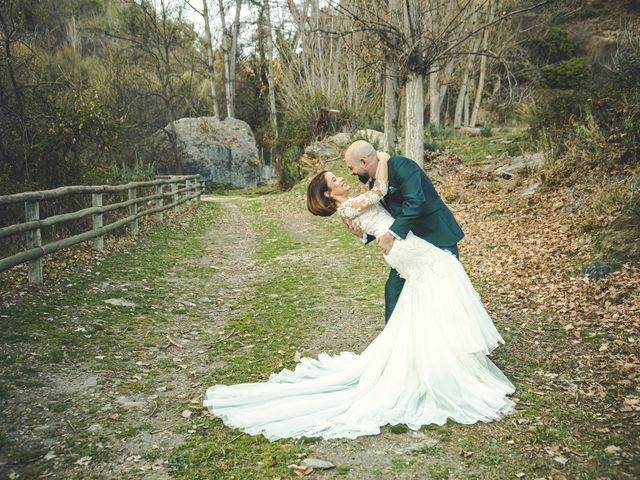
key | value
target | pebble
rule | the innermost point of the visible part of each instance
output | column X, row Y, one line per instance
column 317, row 463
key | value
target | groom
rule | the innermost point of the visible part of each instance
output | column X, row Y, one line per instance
column 412, row 201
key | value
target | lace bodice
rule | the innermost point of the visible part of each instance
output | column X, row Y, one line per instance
column 374, row 220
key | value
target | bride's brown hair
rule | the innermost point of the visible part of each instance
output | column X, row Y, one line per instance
column 317, row 202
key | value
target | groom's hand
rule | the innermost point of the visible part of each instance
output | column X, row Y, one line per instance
column 385, row 242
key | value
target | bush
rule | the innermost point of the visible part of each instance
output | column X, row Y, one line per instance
column 434, row 136
column 567, row 74
column 486, row 130
column 556, row 46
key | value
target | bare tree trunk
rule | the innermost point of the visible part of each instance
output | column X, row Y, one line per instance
column 483, row 68
column 210, row 67
column 464, row 86
column 391, row 105
column 444, row 85
column 224, row 45
column 467, row 97
column 414, row 88
column 392, row 85
column 232, row 60
column 270, row 80
column 434, row 99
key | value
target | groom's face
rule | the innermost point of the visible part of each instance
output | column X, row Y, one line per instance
column 358, row 168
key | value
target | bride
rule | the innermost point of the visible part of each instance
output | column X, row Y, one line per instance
column 428, row 364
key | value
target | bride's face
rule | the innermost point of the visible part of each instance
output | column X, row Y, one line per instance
column 337, row 185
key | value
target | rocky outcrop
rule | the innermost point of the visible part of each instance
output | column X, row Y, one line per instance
column 222, row 152
column 317, row 156
column 342, row 140
column 507, row 168
column 374, row 137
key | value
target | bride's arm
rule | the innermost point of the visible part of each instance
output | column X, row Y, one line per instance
column 356, row 205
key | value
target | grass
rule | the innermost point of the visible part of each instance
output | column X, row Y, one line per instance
column 478, row 149
column 271, row 324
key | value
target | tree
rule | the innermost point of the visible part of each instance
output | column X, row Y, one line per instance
column 210, row 56
column 230, row 50
column 483, row 65
column 270, row 76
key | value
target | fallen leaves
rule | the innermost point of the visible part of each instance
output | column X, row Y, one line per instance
column 301, row 471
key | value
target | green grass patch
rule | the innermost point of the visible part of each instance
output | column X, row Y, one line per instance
column 477, row 149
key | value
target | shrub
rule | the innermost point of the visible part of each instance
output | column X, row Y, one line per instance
column 567, row 74
column 555, row 46
column 486, row 130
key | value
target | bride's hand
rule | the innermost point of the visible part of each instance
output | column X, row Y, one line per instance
column 383, row 156
column 352, row 228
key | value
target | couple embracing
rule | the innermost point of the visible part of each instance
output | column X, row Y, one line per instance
column 428, row 364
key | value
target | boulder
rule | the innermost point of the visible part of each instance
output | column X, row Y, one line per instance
column 374, row 137
column 597, row 270
column 531, row 189
column 317, row 156
column 519, row 164
column 341, row 140
column 319, row 150
column 222, row 152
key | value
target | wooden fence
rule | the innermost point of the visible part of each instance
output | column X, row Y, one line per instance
column 182, row 188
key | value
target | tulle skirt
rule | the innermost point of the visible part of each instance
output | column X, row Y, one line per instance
column 428, row 364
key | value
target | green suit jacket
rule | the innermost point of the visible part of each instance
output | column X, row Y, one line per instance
column 416, row 206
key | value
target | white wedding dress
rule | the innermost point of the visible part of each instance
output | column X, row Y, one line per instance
column 429, row 364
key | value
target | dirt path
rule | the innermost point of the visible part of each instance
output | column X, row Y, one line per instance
column 117, row 412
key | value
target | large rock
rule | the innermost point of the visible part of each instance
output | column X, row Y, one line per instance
column 527, row 162
column 342, row 139
column 374, row 137
column 223, row 152
column 321, row 150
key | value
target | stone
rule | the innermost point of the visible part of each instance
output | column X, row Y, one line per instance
column 612, row 450
column 597, row 270
column 95, row 428
column 129, row 402
column 340, row 139
column 317, row 463
column 223, row 152
column 519, row 164
column 420, row 446
column 89, row 382
column 531, row 189
column 120, row 302
column 374, row 137
column 319, row 150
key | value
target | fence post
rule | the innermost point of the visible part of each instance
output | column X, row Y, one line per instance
column 133, row 209
column 34, row 239
column 199, row 187
column 190, row 186
column 174, row 194
column 96, row 201
column 159, row 202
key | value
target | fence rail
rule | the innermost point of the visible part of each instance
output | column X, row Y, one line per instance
column 182, row 189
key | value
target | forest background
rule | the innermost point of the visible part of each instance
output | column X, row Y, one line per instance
column 85, row 83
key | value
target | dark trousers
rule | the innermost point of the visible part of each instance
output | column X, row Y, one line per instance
column 394, row 285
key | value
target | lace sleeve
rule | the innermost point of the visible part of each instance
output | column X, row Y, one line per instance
column 356, row 205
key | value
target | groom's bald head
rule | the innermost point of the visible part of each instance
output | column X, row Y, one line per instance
column 359, row 149
column 361, row 160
